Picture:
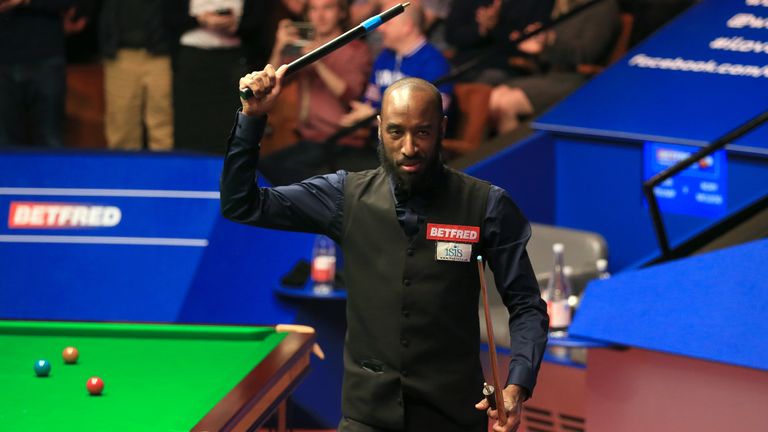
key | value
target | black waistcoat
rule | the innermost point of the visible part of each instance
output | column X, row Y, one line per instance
column 412, row 321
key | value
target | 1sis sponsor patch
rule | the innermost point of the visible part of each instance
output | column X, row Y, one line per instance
column 453, row 242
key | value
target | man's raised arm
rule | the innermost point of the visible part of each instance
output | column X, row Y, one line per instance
column 313, row 205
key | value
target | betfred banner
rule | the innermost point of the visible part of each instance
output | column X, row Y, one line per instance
column 56, row 215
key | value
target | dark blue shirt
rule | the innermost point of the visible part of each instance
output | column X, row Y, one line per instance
column 316, row 205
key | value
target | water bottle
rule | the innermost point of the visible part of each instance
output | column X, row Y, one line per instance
column 323, row 265
column 558, row 293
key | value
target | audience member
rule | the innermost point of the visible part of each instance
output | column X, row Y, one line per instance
column 136, row 43
column 326, row 88
column 477, row 27
column 584, row 39
column 32, row 72
column 211, row 57
column 272, row 13
column 407, row 53
column 331, row 83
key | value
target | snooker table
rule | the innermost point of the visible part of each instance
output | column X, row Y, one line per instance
column 159, row 377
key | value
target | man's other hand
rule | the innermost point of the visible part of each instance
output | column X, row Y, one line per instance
column 514, row 396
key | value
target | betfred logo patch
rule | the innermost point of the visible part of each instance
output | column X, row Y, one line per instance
column 453, row 233
column 35, row 215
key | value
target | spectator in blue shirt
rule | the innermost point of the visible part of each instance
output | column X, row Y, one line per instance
column 407, row 53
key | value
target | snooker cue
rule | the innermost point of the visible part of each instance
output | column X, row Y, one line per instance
column 500, row 408
column 366, row 26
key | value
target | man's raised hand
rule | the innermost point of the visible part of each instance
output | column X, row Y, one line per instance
column 265, row 85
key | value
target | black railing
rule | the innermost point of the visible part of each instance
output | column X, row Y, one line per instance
column 650, row 184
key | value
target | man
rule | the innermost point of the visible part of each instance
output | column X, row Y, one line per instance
column 136, row 44
column 32, row 72
column 585, row 39
column 477, row 26
column 214, row 36
column 411, row 360
column 407, row 53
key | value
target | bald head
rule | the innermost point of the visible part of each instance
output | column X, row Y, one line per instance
column 400, row 91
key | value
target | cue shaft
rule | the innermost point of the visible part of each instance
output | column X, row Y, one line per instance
column 501, row 408
column 366, row 26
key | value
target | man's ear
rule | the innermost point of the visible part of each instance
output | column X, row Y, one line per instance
column 378, row 121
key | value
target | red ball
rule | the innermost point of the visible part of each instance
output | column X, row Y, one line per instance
column 95, row 386
column 70, row 355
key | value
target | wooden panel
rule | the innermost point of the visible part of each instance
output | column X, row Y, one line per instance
column 255, row 398
column 85, row 106
column 640, row 391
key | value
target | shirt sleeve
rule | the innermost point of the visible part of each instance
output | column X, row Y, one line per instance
column 506, row 233
column 314, row 205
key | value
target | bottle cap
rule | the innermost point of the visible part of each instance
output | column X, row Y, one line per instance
column 601, row 264
column 558, row 248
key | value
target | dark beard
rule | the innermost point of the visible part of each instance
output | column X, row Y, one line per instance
column 407, row 184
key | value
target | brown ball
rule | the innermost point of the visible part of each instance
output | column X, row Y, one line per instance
column 70, row 355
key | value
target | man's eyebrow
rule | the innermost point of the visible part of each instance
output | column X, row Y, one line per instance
column 418, row 126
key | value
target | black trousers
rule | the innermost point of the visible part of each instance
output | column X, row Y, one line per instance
column 418, row 418
column 32, row 98
column 205, row 97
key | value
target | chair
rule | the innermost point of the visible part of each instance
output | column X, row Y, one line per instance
column 582, row 250
column 471, row 100
column 283, row 121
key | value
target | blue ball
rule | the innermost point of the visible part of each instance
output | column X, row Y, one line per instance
column 42, row 368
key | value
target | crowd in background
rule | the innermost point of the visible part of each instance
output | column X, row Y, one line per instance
column 171, row 67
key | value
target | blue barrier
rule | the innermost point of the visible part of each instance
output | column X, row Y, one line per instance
column 169, row 256
column 707, row 307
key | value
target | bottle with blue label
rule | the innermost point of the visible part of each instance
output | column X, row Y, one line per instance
column 323, row 265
